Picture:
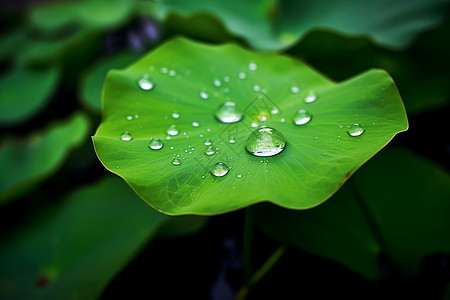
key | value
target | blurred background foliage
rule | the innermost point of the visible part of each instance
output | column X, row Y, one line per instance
column 70, row 230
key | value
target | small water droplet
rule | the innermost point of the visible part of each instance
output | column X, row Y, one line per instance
column 302, row 117
column 311, row 97
column 239, row 175
column 282, row 120
column 220, row 169
column 265, row 141
column 274, row 111
column 155, row 144
column 195, row 124
column 176, row 161
column 175, row 115
column 164, row 70
column 207, row 142
column 136, row 116
column 217, row 82
column 172, row 73
column 254, row 124
column 172, row 130
column 295, row 89
column 356, row 130
column 129, row 118
column 210, row 151
column 226, row 90
column 126, row 136
column 232, row 140
column 227, row 79
column 252, row 66
column 145, row 83
column 256, row 88
column 229, row 113
column 242, row 75
column 204, row 95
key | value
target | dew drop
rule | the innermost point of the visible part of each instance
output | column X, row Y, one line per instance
column 227, row 79
column 254, row 124
column 274, row 111
column 252, row 66
column 229, row 113
column 195, row 124
column 256, row 88
column 217, row 82
column 175, row 115
column 204, row 95
column 356, row 130
column 242, row 75
column 172, row 73
column 210, row 151
column 172, row 130
column 295, row 89
column 126, row 136
column 129, row 118
column 220, row 169
column 265, row 141
column 282, row 120
column 145, row 83
column 239, row 175
column 155, row 144
column 164, row 70
column 176, row 161
column 311, row 97
column 207, row 142
column 232, row 140
column 302, row 117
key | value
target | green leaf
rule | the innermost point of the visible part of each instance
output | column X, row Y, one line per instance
column 396, row 211
column 319, row 155
column 24, row 92
column 30, row 160
column 98, row 14
column 92, row 82
column 74, row 249
column 274, row 25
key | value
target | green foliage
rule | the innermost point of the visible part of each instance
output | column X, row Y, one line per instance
column 319, row 156
column 30, row 160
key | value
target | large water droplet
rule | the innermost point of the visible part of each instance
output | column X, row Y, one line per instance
column 210, row 151
column 252, row 66
column 311, row 97
column 204, row 95
column 220, row 169
column 155, row 144
column 229, row 113
column 302, row 117
column 176, row 161
column 126, row 136
column 265, row 141
column 356, row 130
column 172, row 130
column 145, row 83
column 207, row 142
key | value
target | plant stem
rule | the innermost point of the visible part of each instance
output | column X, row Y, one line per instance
column 261, row 272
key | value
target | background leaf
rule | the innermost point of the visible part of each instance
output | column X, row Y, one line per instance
column 319, row 156
column 74, row 249
column 29, row 161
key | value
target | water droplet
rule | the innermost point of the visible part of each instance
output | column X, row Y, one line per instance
column 164, row 70
column 220, row 169
column 282, row 120
column 229, row 113
column 126, row 136
column 176, row 161
column 204, row 95
column 227, row 79
column 242, row 75
column 302, row 117
column 226, row 90
column 256, row 88
column 136, row 116
column 311, row 97
column 274, row 111
column 195, row 124
column 295, row 89
column 262, row 116
column 172, row 130
column 356, row 130
column 175, row 115
column 129, row 118
column 217, row 82
column 232, row 140
column 155, row 144
column 265, row 141
column 207, row 142
column 172, row 73
column 239, row 175
column 210, row 151
column 254, row 124
column 145, row 83
column 252, row 66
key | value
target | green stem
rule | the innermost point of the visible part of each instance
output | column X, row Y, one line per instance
column 261, row 272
